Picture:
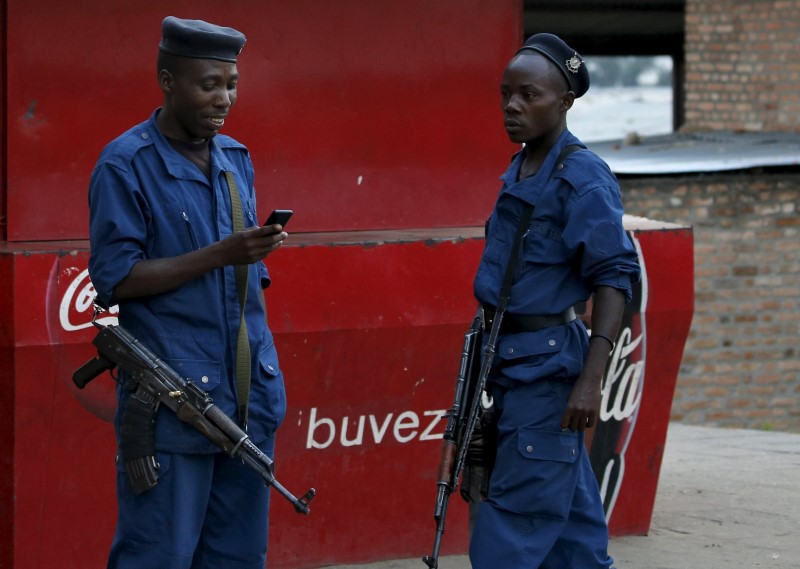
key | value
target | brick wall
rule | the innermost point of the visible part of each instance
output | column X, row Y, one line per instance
column 742, row 65
column 741, row 364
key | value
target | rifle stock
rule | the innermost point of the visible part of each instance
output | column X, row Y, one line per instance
column 457, row 431
column 156, row 384
column 474, row 387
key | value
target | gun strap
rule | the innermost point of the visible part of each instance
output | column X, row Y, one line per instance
column 242, row 341
column 502, row 304
column 524, row 222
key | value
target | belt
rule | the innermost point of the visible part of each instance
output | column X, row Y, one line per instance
column 516, row 323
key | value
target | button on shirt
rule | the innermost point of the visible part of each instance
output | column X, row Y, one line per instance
column 147, row 201
column 575, row 243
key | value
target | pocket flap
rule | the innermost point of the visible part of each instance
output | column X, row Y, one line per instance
column 268, row 360
column 204, row 373
column 527, row 344
column 559, row 446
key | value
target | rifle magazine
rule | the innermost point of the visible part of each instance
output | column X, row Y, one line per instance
column 137, row 443
column 142, row 473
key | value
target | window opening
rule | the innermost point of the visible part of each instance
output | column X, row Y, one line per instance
column 629, row 97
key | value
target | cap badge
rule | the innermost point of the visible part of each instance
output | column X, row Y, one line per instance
column 574, row 63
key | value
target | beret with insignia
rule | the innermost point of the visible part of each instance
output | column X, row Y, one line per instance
column 568, row 61
column 199, row 39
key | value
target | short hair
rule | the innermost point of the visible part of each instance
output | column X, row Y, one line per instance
column 168, row 61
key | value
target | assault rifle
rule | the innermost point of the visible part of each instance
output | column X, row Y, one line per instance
column 462, row 418
column 158, row 383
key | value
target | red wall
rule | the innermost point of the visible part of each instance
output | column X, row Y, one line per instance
column 3, row 130
column 380, row 341
column 358, row 114
column 386, row 348
column 7, row 437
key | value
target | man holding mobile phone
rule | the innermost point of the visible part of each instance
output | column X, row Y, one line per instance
column 172, row 222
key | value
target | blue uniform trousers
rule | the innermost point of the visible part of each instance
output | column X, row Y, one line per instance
column 543, row 510
column 207, row 511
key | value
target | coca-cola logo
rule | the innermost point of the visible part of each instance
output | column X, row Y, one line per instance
column 621, row 394
column 76, row 309
column 622, row 389
column 69, row 307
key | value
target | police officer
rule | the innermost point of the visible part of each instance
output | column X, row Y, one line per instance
column 164, row 244
column 543, row 508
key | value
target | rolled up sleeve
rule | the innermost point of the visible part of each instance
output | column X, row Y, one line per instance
column 595, row 231
column 118, row 215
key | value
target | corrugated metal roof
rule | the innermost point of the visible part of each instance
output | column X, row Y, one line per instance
column 679, row 153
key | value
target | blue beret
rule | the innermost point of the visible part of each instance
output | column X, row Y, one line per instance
column 199, row 39
column 568, row 61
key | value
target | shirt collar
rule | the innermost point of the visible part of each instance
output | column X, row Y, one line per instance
column 176, row 164
column 509, row 177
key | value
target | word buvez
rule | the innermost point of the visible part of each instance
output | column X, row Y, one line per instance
column 365, row 429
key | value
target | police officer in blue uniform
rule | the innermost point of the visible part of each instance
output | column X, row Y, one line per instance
column 164, row 247
column 543, row 507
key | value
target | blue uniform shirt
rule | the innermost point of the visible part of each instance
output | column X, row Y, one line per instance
column 147, row 201
column 574, row 244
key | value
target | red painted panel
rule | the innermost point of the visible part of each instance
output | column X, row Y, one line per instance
column 640, row 380
column 3, row 129
column 388, row 357
column 369, row 332
column 7, row 381
column 358, row 114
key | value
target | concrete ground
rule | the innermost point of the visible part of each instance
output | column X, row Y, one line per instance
column 727, row 498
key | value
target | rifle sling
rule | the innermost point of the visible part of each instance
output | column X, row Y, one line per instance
column 243, row 341
column 524, row 223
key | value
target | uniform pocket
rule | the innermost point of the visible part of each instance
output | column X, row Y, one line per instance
column 543, row 244
column 494, row 249
column 148, row 505
column 203, row 373
column 529, row 346
column 192, row 237
column 530, row 355
column 268, row 360
column 271, row 387
column 536, row 473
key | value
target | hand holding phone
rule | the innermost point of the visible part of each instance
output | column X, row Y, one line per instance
column 279, row 217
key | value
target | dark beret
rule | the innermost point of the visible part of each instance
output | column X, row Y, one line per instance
column 199, row 39
column 568, row 61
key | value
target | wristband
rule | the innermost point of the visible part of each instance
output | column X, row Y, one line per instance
column 606, row 338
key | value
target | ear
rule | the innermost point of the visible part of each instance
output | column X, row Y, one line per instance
column 567, row 99
column 166, row 81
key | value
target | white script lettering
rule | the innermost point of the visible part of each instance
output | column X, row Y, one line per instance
column 621, row 391
column 322, row 431
column 79, row 297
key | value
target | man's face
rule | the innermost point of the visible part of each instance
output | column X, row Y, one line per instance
column 533, row 97
column 198, row 95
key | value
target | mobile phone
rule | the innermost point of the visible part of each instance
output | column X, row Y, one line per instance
column 279, row 217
